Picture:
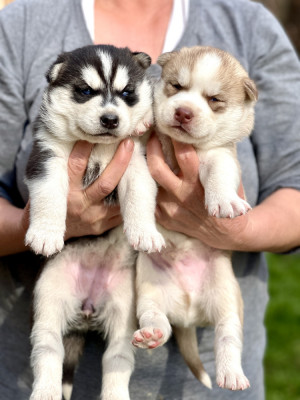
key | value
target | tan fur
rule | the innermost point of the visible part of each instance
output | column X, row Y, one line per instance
column 205, row 98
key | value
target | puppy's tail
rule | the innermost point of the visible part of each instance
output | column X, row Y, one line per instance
column 188, row 345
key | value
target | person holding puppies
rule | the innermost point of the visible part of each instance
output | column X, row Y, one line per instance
column 32, row 34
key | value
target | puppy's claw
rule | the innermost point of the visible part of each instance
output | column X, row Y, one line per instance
column 226, row 206
column 46, row 242
column 148, row 240
column 233, row 381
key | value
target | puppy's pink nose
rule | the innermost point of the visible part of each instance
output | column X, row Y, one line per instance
column 183, row 115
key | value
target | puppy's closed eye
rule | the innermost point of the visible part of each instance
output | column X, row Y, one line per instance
column 216, row 103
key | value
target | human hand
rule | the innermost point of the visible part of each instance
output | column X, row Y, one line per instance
column 180, row 200
column 87, row 213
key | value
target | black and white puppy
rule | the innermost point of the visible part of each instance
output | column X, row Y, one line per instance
column 99, row 94
column 205, row 98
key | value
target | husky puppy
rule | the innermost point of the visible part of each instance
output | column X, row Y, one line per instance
column 204, row 98
column 99, row 94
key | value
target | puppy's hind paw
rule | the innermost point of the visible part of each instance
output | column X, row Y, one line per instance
column 148, row 338
column 46, row 394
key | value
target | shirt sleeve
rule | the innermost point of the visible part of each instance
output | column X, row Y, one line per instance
column 275, row 68
column 12, row 109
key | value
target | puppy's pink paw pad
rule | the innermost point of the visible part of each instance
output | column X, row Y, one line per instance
column 148, row 338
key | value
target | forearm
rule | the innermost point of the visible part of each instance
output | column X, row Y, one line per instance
column 274, row 225
column 12, row 228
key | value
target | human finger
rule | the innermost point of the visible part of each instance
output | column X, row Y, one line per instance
column 158, row 167
column 188, row 161
column 77, row 163
column 112, row 174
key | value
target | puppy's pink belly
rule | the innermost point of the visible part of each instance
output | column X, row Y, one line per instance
column 190, row 268
column 191, row 272
column 93, row 282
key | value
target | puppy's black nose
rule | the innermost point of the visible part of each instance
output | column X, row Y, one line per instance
column 109, row 121
column 183, row 115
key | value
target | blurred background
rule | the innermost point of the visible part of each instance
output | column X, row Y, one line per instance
column 288, row 13
column 282, row 360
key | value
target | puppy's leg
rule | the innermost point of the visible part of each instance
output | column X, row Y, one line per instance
column 137, row 194
column 51, row 305
column 73, row 345
column 48, row 205
column 220, row 176
column 228, row 316
column 187, row 342
column 118, row 359
column 155, row 328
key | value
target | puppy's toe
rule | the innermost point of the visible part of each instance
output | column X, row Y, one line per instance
column 233, row 381
column 44, row 393
column 46, row 242
column 227, row 206
column 148, row 338
column 148, row 239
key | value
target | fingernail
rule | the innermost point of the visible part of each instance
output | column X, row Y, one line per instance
column 128, row 143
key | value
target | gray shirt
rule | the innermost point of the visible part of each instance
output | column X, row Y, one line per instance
column 32, row 34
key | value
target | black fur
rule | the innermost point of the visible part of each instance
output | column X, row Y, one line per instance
column 91, row 175
column 37, row 160
column 73, row 62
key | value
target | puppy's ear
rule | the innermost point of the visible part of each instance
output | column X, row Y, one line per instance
column 165, row 57
column 251, row 90
column 56, row 68
column 142, row 58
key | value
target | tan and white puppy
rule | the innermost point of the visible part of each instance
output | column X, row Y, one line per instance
column 100, row 94
column 205, row 98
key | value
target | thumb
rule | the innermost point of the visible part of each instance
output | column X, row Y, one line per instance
column 188, row 161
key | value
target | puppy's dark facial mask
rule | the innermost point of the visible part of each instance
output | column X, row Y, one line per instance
column 100, row 71
column 97, row 93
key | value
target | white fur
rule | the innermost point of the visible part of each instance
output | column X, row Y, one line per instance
column 71, row 121
column 190, row 284
column 99, row 272
column 58, row 296
column 106, row 62
column 121, row 78
column 92, row 78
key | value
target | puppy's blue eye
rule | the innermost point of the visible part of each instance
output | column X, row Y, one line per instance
column 127, row 91
column 86, row 92
column 214, row 99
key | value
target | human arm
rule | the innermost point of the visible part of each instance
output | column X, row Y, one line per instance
column 273, row 225
column 87, row 214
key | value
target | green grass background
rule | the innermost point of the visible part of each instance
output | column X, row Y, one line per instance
column 282, row 359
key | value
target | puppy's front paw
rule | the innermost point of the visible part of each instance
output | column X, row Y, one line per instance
column 232, row 380
column 148, row 338
column 148, row 239
column 144, row 124
column 226, row 205
column 45, row 241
